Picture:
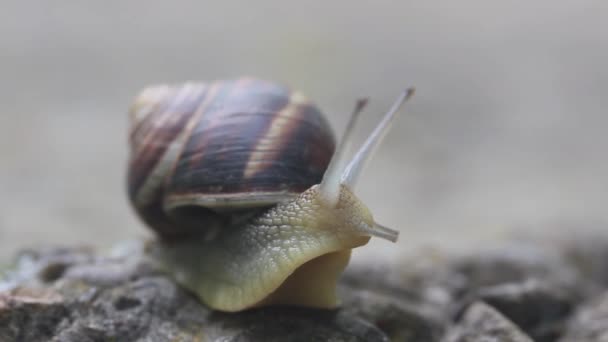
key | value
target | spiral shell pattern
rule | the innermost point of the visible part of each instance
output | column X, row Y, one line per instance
column 222, row 147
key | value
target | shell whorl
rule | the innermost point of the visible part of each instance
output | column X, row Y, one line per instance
column 220, row 148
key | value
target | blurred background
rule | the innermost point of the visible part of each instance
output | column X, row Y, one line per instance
column 507, row 130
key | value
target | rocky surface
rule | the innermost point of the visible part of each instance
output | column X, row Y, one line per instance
column 590, row 323
column 481, row 322
column 532, row 289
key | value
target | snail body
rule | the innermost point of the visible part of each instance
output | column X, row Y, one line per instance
column 251, row 204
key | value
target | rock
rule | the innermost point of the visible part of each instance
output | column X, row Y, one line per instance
column 512, row 263
column 508, row 292
column 521, row 274
column 395, row 316
column 30, row 314
column 590, row 323
column 38, row 267
column 426, row 277
column 587, row 252
column 482, row 323
column 539, row 307
column 292, row 324
column 404, row 309
column 98, row 298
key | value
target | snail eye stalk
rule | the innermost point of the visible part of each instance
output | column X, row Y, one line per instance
column 330, row 185
column 360, row 160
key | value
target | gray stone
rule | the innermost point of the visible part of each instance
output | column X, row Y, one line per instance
column 30, row 314
column 587, row 252
column 538, row 307
column 513, row 263
column 293, row 324
column 482, row 323
column 400, row 319
column 532, row 287
column 98, row 298
column 590, row 323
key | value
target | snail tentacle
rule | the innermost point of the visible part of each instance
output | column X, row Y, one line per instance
column 360, row 160
column 330, row 185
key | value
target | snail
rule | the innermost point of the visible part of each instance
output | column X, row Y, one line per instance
column 250, row 203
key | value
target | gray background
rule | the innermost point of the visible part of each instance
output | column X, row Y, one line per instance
column 507, row 131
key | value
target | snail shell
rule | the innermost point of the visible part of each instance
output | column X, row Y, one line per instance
column 202, row 154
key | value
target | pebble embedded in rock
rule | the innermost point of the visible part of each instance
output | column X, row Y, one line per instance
column 482, row 323
column 399, row 319
column 538, row 307
column 590, row 323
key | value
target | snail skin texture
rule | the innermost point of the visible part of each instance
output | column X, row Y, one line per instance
column 251, row 204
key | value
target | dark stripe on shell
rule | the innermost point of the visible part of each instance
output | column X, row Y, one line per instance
column 233, row 125
column 217, row 152
column 153, row 139
column 303, row 160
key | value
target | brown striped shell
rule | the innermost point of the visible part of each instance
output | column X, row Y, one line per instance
column 203, row 153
